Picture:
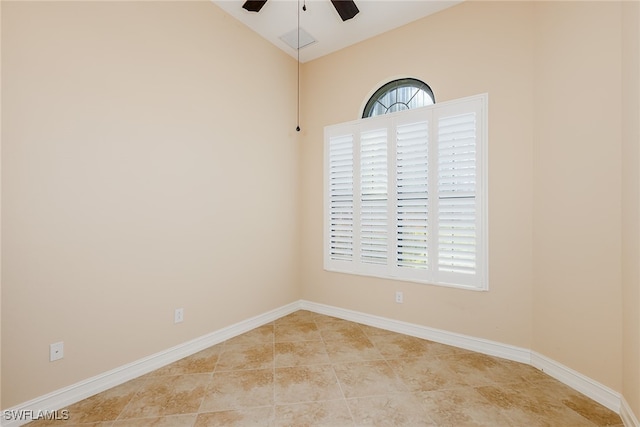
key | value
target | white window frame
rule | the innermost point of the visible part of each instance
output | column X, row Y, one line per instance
column 380, row 223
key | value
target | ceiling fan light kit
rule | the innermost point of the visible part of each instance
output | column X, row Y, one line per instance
column 253, row 5
column 347, row 9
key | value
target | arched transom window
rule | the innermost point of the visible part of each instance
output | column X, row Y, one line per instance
column 399, row 95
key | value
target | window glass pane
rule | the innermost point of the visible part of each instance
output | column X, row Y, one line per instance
column 378, row 109
column 405, row 93
column 421, row 99
column 386, row 100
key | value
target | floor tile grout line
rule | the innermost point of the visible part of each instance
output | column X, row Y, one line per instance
column 206, row 390
column 335, row 376
column 140, row 388
column 273, row 377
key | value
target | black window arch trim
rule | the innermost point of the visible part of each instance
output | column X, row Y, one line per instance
column 406, row 82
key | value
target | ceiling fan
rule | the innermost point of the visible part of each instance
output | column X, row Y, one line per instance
column 347, row 9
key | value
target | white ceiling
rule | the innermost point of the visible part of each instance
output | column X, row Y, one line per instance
column 321, row 21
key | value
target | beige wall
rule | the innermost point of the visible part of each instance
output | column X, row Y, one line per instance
column 0, row 206
column 149, row 162
column 553, row 74
column 631, row 203
column 577, row 203
column 466, row 50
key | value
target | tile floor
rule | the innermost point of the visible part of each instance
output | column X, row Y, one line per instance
column 307, row 369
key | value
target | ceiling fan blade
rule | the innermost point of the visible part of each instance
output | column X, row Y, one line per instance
column 347, row 9
column 254, row 5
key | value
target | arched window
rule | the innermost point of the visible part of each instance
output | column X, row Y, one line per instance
column 398, row 95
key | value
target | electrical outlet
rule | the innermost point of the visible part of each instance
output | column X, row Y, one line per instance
column 178, row 315
column 399, row 297
column 56, row 351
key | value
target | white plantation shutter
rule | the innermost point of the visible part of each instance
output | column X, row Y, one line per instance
column 341, row 206
column 405, row 195
column 412, row 204
column 457, row 238
column 374, row 221
column 460, row 214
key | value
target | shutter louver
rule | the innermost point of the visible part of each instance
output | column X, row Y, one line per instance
column 457, row 239
column 412, row 195
column 341, row 197
column 374, row 221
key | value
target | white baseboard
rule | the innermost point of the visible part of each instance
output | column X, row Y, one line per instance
column 74, row 393
column 627, row 415
column 66, row 396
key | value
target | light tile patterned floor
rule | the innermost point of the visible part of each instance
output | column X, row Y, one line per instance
column 307, row 369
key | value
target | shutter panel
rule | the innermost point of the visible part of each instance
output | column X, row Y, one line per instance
column 457, row 233
column 374, row 221
column 341, row 197
column 412, row 195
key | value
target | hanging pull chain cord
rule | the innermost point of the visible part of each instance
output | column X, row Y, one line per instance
column 304, row 8
column 298, row 52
